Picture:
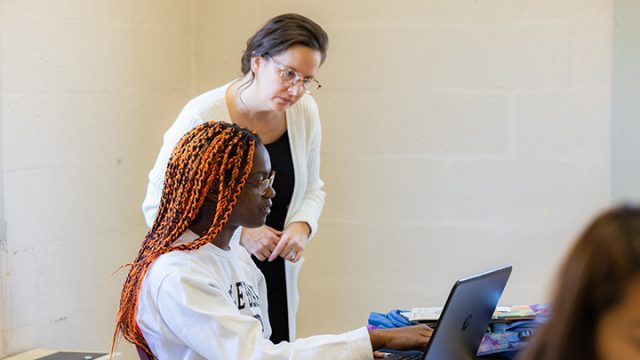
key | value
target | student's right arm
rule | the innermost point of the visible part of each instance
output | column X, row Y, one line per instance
column 195, row 313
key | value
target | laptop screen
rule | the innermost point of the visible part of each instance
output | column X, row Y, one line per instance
column 466, row 315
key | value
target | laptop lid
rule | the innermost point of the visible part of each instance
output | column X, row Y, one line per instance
column 466, row 315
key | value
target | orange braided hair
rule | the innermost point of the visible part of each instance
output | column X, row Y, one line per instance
column 214, row 156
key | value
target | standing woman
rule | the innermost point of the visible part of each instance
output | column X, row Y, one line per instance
column 279, row 67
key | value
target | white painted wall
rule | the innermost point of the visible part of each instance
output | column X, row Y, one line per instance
column 626, row 108
column 87, row 89
column 3, row 224
column 458, row 136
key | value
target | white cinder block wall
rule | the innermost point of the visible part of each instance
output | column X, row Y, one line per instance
column 458, row 136
column 87, row 89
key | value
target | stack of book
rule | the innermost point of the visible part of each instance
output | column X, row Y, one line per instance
column 430, row 315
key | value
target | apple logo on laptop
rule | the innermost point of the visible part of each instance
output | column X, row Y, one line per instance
column 466, row 322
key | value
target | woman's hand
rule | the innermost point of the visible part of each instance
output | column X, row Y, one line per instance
column 404, row 338
column 292, row 242
column 261, row 241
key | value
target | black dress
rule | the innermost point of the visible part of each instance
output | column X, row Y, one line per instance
column 282, row 162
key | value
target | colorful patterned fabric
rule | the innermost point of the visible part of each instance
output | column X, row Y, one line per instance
column 510, row 336
column 504, row 338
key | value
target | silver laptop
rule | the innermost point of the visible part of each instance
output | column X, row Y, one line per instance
column 465, row 317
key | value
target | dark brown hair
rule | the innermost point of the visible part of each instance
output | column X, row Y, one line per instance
column 281, row 33
column 592, row 280
column 212, row 158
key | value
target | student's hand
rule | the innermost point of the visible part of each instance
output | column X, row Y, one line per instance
column 292, row 242
column 260, row 241
column 405, row 338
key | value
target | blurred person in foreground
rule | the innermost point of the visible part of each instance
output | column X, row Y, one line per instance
column 596, row 305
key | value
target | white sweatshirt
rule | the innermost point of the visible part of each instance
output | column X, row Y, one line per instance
column 211, row 304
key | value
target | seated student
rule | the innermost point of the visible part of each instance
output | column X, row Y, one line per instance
column 596, row 307
column 191, row 293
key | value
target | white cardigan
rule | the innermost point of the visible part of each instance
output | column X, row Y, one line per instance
column 303, row 126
